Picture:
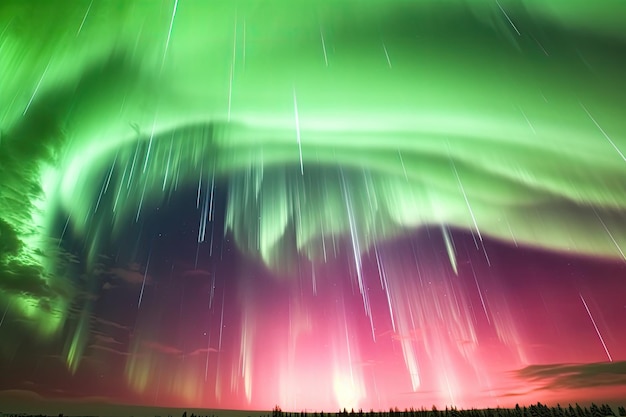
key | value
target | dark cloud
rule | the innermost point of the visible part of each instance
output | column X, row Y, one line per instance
column 16, row 277
column 9, row 242
column 572, row 376
column 19, row 275
column 131, row 275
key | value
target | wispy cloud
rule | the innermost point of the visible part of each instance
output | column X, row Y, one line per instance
column 196, row 273
column 201, row 351
column 104, row 339
column 109, row 349
column 111, row 323
column 162, row 348
column 561, row 376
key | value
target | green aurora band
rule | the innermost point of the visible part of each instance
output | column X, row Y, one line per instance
column 326, row 119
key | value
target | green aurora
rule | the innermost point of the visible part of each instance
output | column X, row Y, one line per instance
column 326, row 119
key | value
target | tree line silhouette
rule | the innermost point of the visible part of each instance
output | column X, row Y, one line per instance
column 535, row 410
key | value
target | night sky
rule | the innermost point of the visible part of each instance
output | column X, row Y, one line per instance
column 316, row 204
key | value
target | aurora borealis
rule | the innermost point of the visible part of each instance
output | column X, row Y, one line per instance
column 317, row 204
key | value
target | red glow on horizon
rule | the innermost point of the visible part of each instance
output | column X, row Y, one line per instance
column 283, row 344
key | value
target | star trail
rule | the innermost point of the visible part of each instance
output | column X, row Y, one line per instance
column 317, row 204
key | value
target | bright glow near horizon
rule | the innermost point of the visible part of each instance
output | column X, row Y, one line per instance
column 316, row 204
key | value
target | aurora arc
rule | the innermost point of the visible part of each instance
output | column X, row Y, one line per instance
column 481, row 116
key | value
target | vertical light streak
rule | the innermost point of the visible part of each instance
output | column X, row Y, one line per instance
column 469, row 207
column 486, row 255
column 106, row 187
column 356, row 250
column 84, row 18
column 219, row 344
column 449, row 388
column 511, row 231
column 406, row 176
column 378, row 265
column 95, row 210
column 208, row 351
column 230, row 90
column 540, row 46
column 450, row 248
column 5, row 313
column 232, row 69
column 145, row 165
column 297, row 120
column 195, row 265
column 324, row 47
column 390, row 305
column 120, row 187
column 205, row 213
column 212, row 292
column 507, row 18
column 169, row 32
column 211, row 242
column 313, row 279
column 36, row 89
column 202, row 224
column 211, row 197
column 608, row 232
column 527, row 121
column 199, row 188
column 167, row 168
column 243, row 46
column 387, row 55
column 480, row 293
column 245, row 356
column 382, row 275
column 132, row 167
column 4, row 31
column 596, row 327
column 348, row 349
column 603, row 132
column 67, row 222
column 145, row 275
column 158, row 390
column 325, row 254
column 143, row 194
column 176, row 178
